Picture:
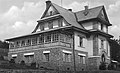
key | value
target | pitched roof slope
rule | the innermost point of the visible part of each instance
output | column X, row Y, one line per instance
column 69, row 16
column 93, row 13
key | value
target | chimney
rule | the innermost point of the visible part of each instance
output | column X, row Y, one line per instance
column 48, row 2
column 86, row 10
column 70, row 9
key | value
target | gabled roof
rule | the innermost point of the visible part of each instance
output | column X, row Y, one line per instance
column 93, row 13
column 69, row 16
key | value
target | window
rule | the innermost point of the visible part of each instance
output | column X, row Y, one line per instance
column 34, row 41
column 48, row 38
column 14, row 56
column 106, row 28
column 18, row 44
column 80, row 41
column 28, row 42
column 41, row 39
column 60, row 23
column 67, row 57
column 81, row 59
column 51, row 13
column 68, row 38
column 55, row 37
column 102, row 44
column 29, row 58
column 22, row 43
column 41, row 27
column 101, row 26
column 11, row 45
column 46, row 57
column 50, row 24
column 62, row 36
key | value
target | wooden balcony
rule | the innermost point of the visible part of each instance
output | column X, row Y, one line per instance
column 42, row 46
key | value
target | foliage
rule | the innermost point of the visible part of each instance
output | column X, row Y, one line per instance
column 22, row 62
column 12, row 61
column 33, row 65
column 114, row 50
column 4, row 45
column 102, row 66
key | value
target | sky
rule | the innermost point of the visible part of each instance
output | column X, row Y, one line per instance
column 19, row 17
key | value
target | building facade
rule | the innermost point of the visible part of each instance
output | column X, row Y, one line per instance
column 65, row 40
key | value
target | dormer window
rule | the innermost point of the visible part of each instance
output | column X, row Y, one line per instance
column 50, row 24
column 51, row 13
column 101, row 26
column 60, row 23
column 41, row 27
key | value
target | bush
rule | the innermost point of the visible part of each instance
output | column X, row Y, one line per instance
column 22, row 62
column 12, row 61
column 33, row 65
column 102, row 66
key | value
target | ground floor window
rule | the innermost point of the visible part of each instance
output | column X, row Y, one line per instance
column 67, row 57
column 81, row 59
column 29, row 58
column 46, row 57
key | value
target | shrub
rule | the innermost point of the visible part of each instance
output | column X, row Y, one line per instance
column 22, row 62
column 12, row 61
column 33, row 65
column 102, row 66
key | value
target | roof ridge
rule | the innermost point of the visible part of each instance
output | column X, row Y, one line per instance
column 60, row 6
column 90, row 8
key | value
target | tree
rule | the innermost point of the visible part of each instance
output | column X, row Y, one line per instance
column 4, row 45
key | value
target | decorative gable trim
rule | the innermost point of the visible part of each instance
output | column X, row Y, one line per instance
column 104, row 14
column 45, row 12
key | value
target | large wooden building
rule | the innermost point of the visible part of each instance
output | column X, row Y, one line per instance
column 64, row 40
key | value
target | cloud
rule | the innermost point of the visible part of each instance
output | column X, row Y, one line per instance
column 18, row 21
column 114, row 16
column 76, row 6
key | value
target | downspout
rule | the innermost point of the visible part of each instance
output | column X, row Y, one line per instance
column 74, row 53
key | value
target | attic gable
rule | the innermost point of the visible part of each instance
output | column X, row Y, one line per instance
column 50, row 10
column 103, row 15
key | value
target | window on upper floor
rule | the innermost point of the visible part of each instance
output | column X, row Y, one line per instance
column 80, row 41
column 18, row 44
column 81, row 59
column 106, row 28
column 41, row 39
column 48, row 38
column 55, row 37
column 50, row 24
column 28, row 42
column 67, row 57
column 12, row 45
column 60, row 23
column 51, row 13
column 102, row 26
column 62, row 36
column 34, row 41
column 102, row 44
column 23, row 43
column 41, row 27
